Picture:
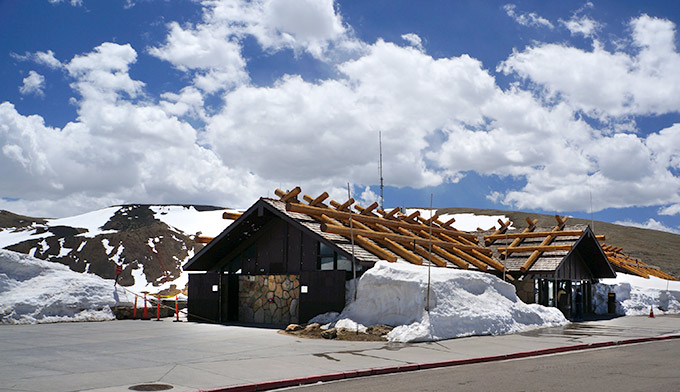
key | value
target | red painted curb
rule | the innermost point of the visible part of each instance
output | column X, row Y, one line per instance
column 290, row 382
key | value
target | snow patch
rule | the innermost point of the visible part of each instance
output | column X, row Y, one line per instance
column 191, row 221
column 465, row 221
column 91, row 221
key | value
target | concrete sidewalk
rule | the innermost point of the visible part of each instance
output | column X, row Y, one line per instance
column 112, row 356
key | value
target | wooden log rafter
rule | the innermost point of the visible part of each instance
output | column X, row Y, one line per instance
column 231, row 215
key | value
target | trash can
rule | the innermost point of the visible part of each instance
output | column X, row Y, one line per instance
column 611, row 303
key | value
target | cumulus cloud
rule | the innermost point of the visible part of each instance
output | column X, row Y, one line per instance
column 651, row 224
column 117, row 150
column 527, row 19
column 212, row 49
column 34, row 83
column 606, row 84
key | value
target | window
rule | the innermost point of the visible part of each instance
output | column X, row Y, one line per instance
column 344, row 263
column 326, row 257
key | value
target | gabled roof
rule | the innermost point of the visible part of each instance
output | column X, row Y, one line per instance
column 544, row 250
column 253, row 219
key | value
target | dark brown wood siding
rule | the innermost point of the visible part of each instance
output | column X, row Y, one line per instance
column 574, row 268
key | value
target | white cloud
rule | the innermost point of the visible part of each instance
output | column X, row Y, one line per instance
column 413, row 40
column 527, row 19
column 117, row 150
column 72, row 2
column 581, row 25
column 43, row 58
column 34, row 83
column 103, row 73
column 673, row 209
column 651, row 224
column 607, row 84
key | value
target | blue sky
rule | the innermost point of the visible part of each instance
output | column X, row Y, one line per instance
column 526, row 105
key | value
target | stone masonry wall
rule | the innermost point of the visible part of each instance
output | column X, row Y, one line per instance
column 269, row 299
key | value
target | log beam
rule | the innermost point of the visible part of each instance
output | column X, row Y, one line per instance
column 290, row 196
column 230, row 215
column 537, row 248
column 312, row 211
column 539, row 234
column 342, row 230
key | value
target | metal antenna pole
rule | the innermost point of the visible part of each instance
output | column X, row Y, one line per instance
column 592, row 221
column 429, row 258
column 351, row 235
column 380, row 168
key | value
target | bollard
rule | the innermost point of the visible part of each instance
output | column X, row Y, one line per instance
column 177, row 308
column 146, row 316
column 158, row 308
column 134, row 310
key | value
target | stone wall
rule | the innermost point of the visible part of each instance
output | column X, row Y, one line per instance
column 525, row 290
column 269, row 299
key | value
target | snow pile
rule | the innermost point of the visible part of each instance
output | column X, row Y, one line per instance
column 36, row 291
column 635, row 295
column 465, row 221
column 462, row 303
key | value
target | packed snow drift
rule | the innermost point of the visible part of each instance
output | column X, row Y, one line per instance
column 37, row 291
column 635, row 295
column 462, row 303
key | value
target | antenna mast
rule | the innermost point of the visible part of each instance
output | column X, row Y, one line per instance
column 380, row 167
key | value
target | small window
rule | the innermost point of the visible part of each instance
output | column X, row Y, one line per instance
column 325, row 258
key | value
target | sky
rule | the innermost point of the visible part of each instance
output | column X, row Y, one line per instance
column 551, row 107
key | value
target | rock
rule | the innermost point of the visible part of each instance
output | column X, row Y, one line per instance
column 293, row 327
column 329, row 334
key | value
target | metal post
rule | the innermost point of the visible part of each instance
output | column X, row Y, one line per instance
column 351, row 235
column 429, row 258
column 158, row 308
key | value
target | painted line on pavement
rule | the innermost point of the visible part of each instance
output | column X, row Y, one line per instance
column 291, row 382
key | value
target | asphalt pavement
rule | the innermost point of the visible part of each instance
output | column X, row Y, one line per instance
column 117, row 355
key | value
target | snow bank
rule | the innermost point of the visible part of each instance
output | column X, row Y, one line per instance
column 465, row 221
column 37, row 291
column 462, row 303
column 635, row 295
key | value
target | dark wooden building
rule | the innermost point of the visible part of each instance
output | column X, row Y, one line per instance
column 284, row 261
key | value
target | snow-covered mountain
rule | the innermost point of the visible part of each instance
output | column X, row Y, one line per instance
column 149, row 242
